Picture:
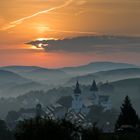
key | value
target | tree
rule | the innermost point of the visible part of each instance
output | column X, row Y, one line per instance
column 42, row 129
column 93, row 133
column 5, row 134
column 128, row 116
column 12, row 116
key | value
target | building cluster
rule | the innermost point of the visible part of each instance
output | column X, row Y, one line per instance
column 78, row 110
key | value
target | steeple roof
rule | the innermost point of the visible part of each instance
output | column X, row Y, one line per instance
column 94, row 86
column 77, row 89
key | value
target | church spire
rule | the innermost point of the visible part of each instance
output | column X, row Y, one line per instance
column 94, row 86
column 77, row 88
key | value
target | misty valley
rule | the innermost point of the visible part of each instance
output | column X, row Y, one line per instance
column 23, row 87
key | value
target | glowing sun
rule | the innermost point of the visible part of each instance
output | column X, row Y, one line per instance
column 40, row 43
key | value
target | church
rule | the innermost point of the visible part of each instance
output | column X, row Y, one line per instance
column 97, row 99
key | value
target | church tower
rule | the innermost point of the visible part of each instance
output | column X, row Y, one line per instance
column 94, row 90
column 77, row 102
column 38, row 110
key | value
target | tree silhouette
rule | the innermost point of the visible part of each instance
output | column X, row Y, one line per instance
column 5, row 134
column 128, row 115
column 93, row 133
column 45, row 129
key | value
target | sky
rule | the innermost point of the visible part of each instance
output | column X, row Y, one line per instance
column 76, row 32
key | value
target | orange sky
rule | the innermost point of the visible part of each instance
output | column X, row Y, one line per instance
column 26, row 20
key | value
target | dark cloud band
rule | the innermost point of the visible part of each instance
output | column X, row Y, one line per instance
column 102, row 44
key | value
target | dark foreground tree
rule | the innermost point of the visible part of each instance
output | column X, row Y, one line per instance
column 128, row 116
column 45, row 129
column 93, row 133
column 5, row 134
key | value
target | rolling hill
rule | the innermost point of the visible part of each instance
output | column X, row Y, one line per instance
column 96, row 67
column 51, row 76
column 19, row 69
column 60, row 76
column 38, row 74
column 11, row 77
column 13, row 84
column 17, row 80
column 111, row 75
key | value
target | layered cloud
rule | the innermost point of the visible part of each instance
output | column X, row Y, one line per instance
column 98, row 44
column 19, row 21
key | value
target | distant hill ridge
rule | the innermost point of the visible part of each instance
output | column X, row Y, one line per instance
column 134, row 82
column 110, row 75
column 96, row 67
column 87, row 68
column 8, row 76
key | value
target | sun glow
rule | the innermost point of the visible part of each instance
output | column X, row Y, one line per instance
column 37, row 47
column 41, row 39
column 40, row 43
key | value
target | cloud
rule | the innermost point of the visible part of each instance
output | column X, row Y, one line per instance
column 38, row 43
column 81, row 2
column 98, row 44
column 19, row 21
